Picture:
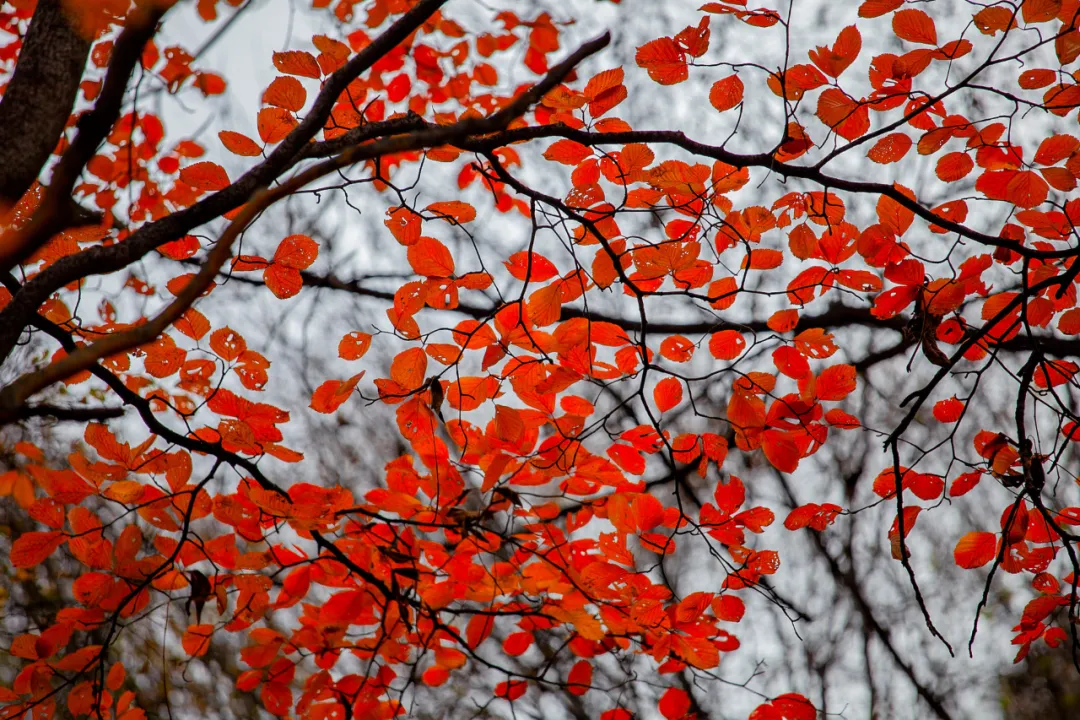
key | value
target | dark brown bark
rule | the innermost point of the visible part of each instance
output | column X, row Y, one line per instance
column 58, row 210
column 101, row 259
column 39, row 99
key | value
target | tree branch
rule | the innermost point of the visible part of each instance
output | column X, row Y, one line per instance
column 101, row 259
column 38, row 101
column 17, row 392
column 75, row 414
column 57, row 207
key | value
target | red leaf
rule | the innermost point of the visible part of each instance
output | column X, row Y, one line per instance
column 954, row 166
column 296, row 251
column 1026, row 189
column 780, row 450
column 674, row 704
column 877, row 8
column 478, row 629
column 948, row 411
column 579, row 678
column 835, row 60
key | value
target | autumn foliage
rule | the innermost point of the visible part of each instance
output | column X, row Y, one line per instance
column 555, row 406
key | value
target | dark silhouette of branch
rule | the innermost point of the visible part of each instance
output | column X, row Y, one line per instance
column 846, row 579
column 74, row 414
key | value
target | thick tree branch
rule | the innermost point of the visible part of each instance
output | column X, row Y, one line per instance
column 38, row 101
column 15, row 394
column 102, row 259
column 57, row 208
column 75, row 414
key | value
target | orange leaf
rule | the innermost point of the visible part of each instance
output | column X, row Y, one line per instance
column 239, row 144
column 567, row 152
column 783, row 321
column 763, row 259
column 31, row 548
column 726, row 93
column 462, row 212
column 677, row 348
column 975, row 549
column 890, row 148
column 668, row 393
column 664, row 60
column 196, row 639
column 836, row 382
column 205, row 176
column 431, row 258
column 332, row 394
column 296, row 251
column 227, row 343
column 409, row 368
column 275, row 124
column 287, row 93
column 914, row 26
column 296, row 62
column 354, row 345
column 283, row 281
